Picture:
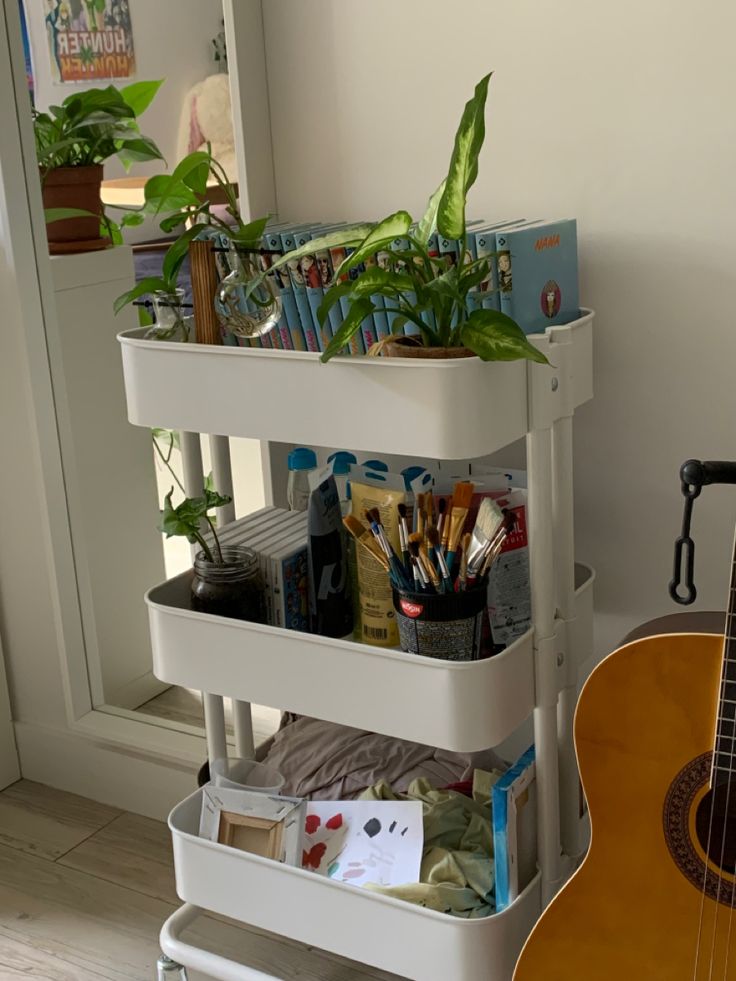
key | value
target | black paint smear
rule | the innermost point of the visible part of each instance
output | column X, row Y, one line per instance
column 404, row 832
column 391, row 829
column 372, row 827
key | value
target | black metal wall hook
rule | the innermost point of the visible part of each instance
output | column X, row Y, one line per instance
column 694, row 475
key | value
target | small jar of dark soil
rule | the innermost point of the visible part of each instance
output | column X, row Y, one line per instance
column 233, row 588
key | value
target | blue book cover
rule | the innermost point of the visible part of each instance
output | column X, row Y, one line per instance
column 513, row 807
column 538, row 273
column 382, row 260
column 293, row 322
column 272, row 249
column 400, row 245
column 294, row 269
column 315, row 295
column 482, row 244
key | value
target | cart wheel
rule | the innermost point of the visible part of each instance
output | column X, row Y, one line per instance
column 168, row 970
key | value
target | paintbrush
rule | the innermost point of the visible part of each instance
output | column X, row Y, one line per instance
column 404, row 529
column 481, row 562
column 419, row 572
column 429, row 569
column 462, row 579
column 364, row 537
column 487, row 524
column 433, row 536
column 419, row 515
column 446, row 525
column 441, row 505
column 429, row 508
column 509, row 523
column 398, row 572
column 462, row 495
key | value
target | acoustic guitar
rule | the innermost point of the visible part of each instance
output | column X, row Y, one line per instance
column 655, row 898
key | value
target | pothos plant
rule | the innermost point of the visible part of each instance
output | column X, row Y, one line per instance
column 425, row 290
column 186, row 520
column 88, row 128
column 183, row 198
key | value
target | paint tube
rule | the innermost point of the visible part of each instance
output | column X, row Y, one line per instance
column 374, row 617
column 329, row 605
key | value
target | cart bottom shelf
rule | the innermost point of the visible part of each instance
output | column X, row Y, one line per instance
column 377, row 930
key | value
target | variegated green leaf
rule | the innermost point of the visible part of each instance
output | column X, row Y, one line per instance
column 352, row 235
column 464, row 163
column 428, row 225
column 379, row 237
column 495, row 337
column 359, row 310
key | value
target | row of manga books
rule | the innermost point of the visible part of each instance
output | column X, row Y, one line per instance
column 542, row 291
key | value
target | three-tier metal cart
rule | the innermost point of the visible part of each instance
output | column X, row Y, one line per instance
column 443, row 410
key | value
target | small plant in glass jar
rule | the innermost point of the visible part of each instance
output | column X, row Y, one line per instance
column 227, row 580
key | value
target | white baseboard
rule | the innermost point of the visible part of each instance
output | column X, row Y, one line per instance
column 130, row 780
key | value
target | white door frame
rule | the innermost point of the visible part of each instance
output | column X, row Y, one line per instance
column 114, row 758
column 9, row 764
column 26, row 287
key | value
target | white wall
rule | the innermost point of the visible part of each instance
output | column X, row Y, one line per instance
column 615, row 113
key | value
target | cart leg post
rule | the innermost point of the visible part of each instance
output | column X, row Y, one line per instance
column 542, row 575
column 197, row 959
column 168, row 970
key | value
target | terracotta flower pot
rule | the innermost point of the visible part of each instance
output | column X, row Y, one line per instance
column 407, row 347
column 74, row 187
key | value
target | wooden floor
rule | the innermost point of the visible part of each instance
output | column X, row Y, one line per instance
column 184, row 705
column 84, row 889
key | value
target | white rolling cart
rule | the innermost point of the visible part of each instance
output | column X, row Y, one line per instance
column 455, row 409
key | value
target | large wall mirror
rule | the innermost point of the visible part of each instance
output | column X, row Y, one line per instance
column 117, row 475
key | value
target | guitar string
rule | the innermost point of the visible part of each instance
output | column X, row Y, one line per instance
column 724, row 669
column 719, row 725
column 733, row 882
column 720, row 863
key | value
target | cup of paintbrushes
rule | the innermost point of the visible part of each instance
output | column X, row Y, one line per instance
column 445, row 625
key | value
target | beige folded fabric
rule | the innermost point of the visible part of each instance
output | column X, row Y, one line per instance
column 457, row 864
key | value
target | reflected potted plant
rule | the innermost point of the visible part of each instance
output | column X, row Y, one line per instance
column 73, row 141
column 423, row 290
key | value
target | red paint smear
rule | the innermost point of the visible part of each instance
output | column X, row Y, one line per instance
column 312, row 858
column 312, row 823
column 335, row 822
column 353, row 873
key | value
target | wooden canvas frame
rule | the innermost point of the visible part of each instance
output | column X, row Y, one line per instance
column 230, row 822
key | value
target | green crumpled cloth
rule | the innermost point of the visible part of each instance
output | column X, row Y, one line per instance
column 457, row 863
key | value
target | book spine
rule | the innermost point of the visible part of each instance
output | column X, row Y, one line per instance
column 504, row 275
column 485, row 247
column 315, row 295
column 293, row 269
column 500, row 849
column 310, row 280
column 293, row 323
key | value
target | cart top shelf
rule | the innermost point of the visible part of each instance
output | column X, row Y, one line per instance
column 447, row 410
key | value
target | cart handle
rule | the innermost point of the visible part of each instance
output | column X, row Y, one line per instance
column 213, row 965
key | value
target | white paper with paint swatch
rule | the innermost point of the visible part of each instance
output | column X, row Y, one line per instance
column 364, row 842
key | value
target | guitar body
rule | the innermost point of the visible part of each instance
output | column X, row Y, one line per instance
column 644, row 733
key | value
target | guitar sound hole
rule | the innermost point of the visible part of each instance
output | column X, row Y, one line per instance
column 721, row 848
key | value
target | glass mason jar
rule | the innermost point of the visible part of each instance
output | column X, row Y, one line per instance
column 170, row 324
column 255, row 316
column 231, row 589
